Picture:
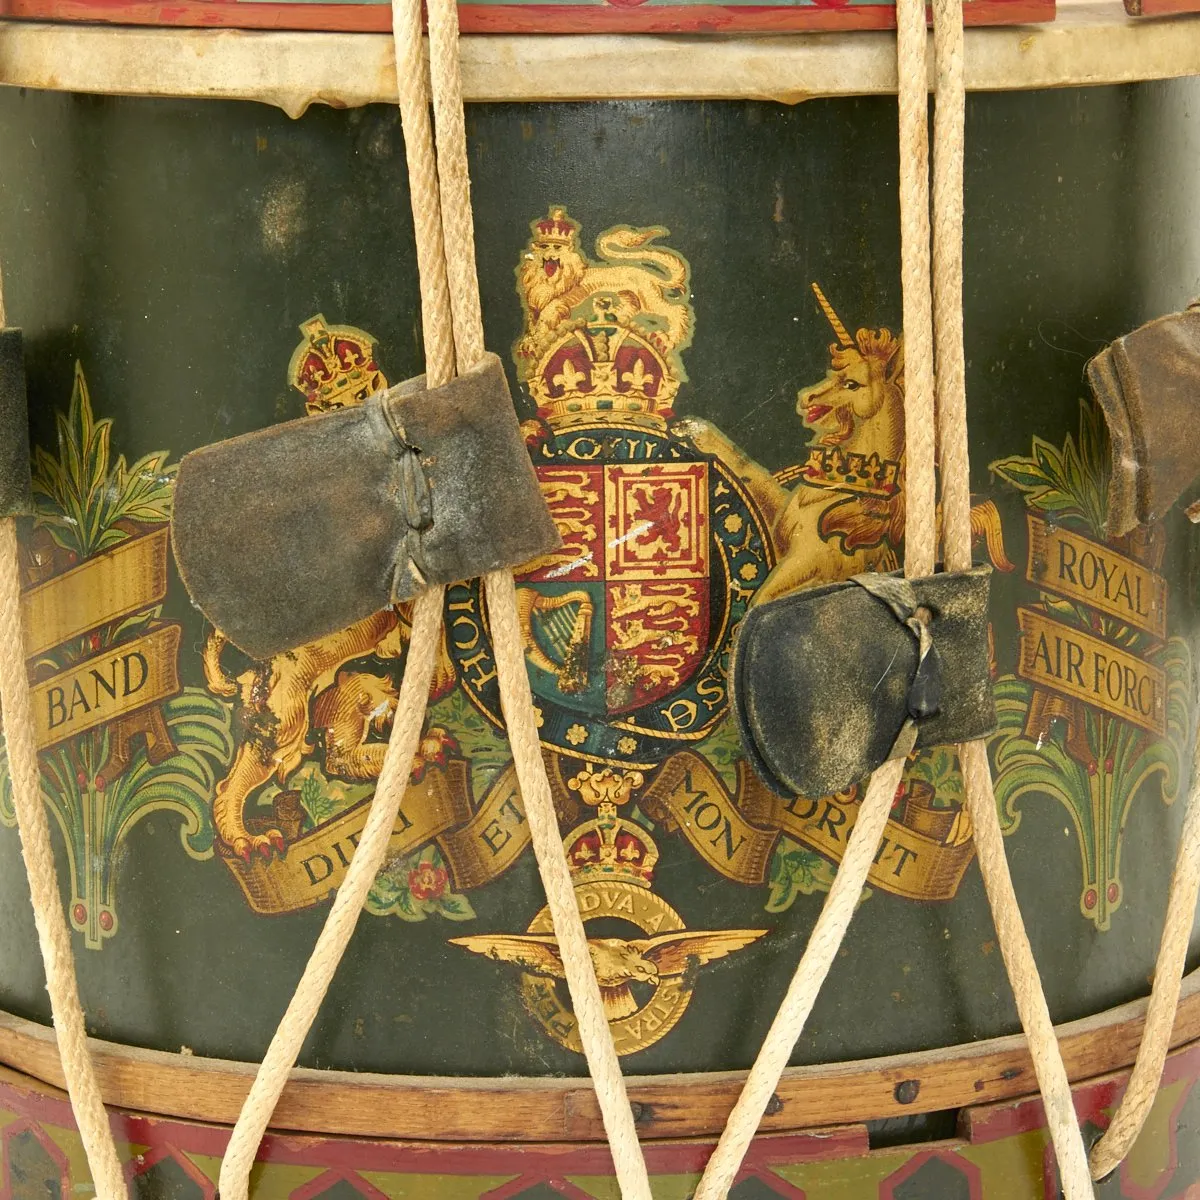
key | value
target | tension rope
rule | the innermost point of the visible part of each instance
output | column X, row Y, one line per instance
column 33, row 827
column 935, row 415
column 935, row 422
column 452, row 324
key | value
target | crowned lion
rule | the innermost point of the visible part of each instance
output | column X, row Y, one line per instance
column 638, row 283
column 336, row 695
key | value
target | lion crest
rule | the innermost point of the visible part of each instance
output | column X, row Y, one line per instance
column 637, row 282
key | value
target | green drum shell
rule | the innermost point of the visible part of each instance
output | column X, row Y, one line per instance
column 161, row 257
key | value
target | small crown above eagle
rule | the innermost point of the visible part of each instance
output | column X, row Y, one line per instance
column 610, row 846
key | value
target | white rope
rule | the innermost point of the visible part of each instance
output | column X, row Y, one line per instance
column 819, row 953
column 369, row 855
column 54, row 937
column 1144, row 1080
column 516, row 697
column 956, row 504
column 453, row 329
column 37, row 850
column 920, row 539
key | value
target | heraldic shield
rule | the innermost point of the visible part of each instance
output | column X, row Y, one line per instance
column 627, row 626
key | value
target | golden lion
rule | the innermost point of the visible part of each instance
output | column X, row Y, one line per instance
column 642, row 284
column 273, row 715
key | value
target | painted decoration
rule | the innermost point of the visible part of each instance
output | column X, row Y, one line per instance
column 710, row 377
column 119, row 736
column 669, row 532
column 1098, row 704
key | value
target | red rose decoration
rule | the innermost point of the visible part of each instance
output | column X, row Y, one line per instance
column 427, row 882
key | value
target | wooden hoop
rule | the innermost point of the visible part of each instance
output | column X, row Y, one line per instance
column 1090, row 42
column 430, row 1108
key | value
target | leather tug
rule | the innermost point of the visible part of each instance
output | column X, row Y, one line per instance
column 16, row 490
column 292, row 533
column 1148, row 385
column 830, row 682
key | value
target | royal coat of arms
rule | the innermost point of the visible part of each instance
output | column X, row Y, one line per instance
column 670, row 532
column 627, row 626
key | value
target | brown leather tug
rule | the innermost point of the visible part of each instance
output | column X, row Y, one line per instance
column 1148, row 384
column 830, row 682
column 294, row 532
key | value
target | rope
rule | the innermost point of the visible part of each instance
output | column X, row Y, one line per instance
column 413, row 79
column 819, row 953
column 446, row 74
column 1023, row 975
column 949, row 139
column 347, row 904
column 1147, row 1071
column 54, row 937
column 920, row 426
column 515, row 694
column 437, row 331
column 956, row 475
column 920, row 541
column 594, row 1032
column 453, row 329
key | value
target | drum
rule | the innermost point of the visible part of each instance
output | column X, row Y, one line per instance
column 698, row 304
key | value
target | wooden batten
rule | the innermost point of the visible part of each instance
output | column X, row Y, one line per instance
column 1090, row 42
column 424, row 1108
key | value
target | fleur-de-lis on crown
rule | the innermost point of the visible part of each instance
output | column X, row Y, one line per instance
column 638, row 377
column 570, row 377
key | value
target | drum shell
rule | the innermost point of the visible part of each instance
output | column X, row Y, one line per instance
column 172, row 249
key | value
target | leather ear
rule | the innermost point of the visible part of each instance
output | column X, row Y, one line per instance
column 830, row 682
column 1147, row 384
column 292, row 533
column 16, row 498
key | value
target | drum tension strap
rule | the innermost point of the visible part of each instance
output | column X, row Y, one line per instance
column 831, row 682
column 1148, row 386
column 289, row 534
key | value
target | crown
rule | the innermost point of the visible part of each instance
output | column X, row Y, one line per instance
column 334, row 366
column 841, row 471
column 610, row 847
column 604, row 364
column 555, row 225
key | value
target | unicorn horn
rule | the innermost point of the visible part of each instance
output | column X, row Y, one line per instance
column 843, row 336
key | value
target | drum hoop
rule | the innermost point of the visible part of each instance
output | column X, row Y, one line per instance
column 684, row 1105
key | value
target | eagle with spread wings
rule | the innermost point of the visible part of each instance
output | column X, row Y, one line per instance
column 618, row 962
